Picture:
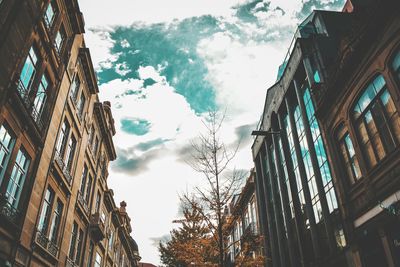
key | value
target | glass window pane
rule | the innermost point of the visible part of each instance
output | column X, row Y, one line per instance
column 55, row 224
column 17, row 179
column 46, row 209
column 49, row 15
column 379, row 83
column 40, row 98
column 366, row 97
column 28, row 72
column 396, row 63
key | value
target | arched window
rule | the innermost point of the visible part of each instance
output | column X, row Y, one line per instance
column 396, row 65
column 377, row 121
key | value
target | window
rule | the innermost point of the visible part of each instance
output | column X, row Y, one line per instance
column 76, row 83
column 310, row 175
column 319, row 147
column 73, row 240
column 97, row 262
column 88, row 188
column 55, row 224
column 79, row 247
column 49, row 15
column 6, row 145
column 91, row 135
column 295, row 163
column 111, row 240
column 377, row 122
column 83, row 180
column 286, row 177
column 86, row 185
column 396, row 65
column 95, row 146
column 98, row 199
column 62, row 138
column 349, row 156
column 69, row 157
column 28, row 72
column 17, row 178
column 46, row 211
column 40, row 98
column 72, row 244
column 81, row 105
column 91, row 248
column 60, row 37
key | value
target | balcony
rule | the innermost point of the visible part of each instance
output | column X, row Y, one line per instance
column 63, row 167
column 96, row 227
column 46, row 244
column 70, row 263
column 82, row 202
column 8, row 211
column 29, row 105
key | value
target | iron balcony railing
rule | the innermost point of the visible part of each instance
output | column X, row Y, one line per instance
column 7, row 210
column 82, row 201
column 64, row 167
column 48, row 245
column 29, row 105
column 70, row 263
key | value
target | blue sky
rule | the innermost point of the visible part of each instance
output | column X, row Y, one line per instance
column 163, row 64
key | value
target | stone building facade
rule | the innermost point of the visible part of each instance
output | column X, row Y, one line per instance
column 328, row 147
column 56, row 144
column 244, row 242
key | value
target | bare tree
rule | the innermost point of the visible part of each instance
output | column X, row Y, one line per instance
column 211, row 157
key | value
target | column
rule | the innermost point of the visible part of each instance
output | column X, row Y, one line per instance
column 315, row 165
column 270, row 214
column 284, row 197
column 261, row 210
column 307, row 197
column 276, row 205
column 299, row 223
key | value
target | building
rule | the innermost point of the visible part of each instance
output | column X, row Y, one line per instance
column 244, row 244
column 328, row 147
column 56, row 145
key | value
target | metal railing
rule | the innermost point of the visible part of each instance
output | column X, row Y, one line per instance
column 48, row 245
column 35, row 114
column 82, row 201
column 70, row 263
column 8, row 210
column 64, row 167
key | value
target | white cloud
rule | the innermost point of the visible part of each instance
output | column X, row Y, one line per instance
column 125, row 12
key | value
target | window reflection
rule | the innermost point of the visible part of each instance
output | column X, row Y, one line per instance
column 377, row 121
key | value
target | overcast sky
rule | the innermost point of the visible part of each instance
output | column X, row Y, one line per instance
column 163, row 64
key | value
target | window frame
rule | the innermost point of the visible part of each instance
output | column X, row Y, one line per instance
column 9, row 150
column 18, row 181
column 60, row 39
column 358, row 120
column 50, row 23
column 34, row 62
column 51, row 213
